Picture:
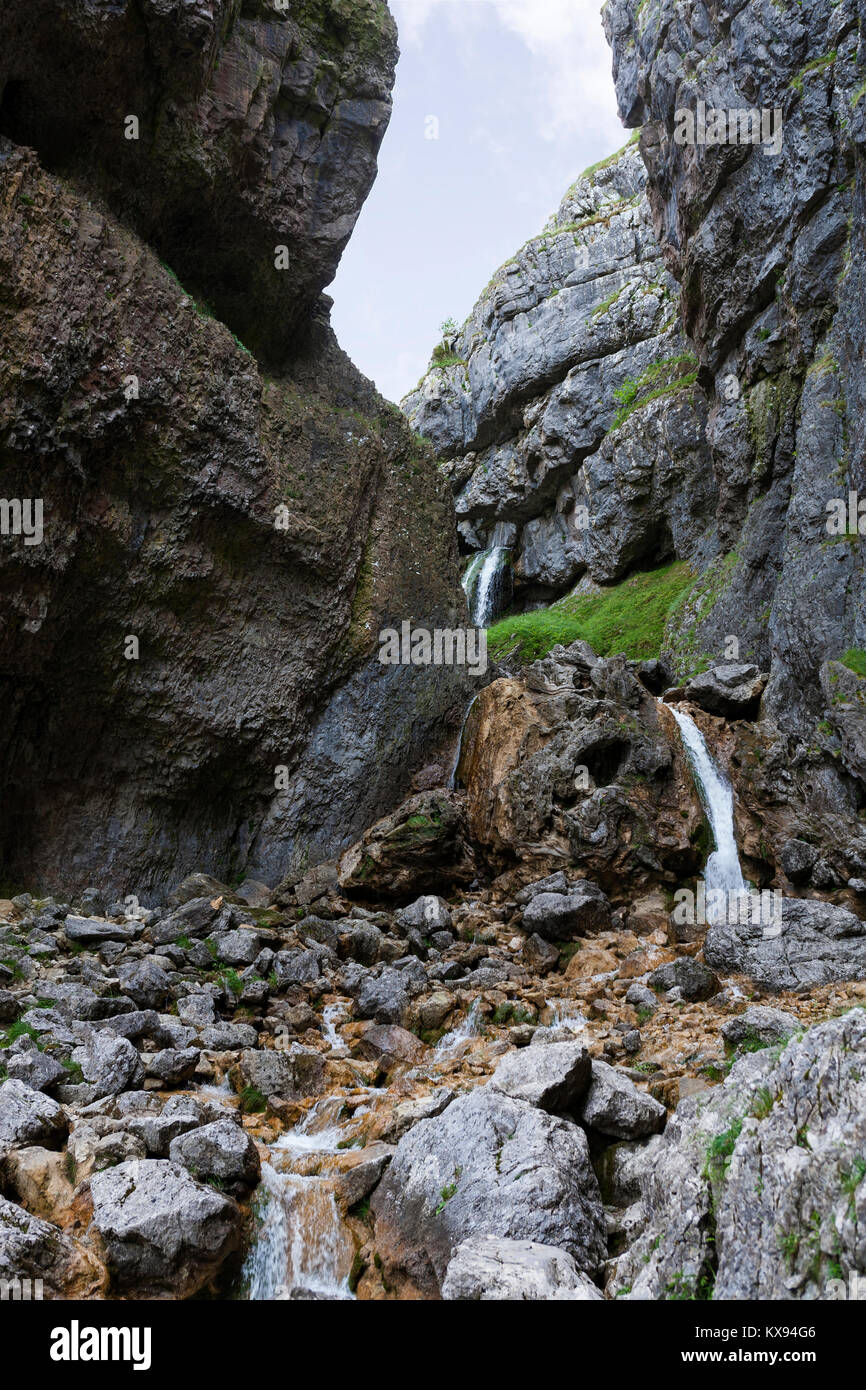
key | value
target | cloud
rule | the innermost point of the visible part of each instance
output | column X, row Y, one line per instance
column 571, row 89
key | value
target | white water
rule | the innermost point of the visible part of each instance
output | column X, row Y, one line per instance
column 303, row 1250
column 452, row 1044
column 723, row 866
column 453, row 779
column 332, row 1014
column 487, row 590
column 487, row 579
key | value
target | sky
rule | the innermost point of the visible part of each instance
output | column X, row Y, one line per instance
column 498, row 106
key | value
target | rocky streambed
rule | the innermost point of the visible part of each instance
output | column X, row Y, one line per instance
column 522, row 1085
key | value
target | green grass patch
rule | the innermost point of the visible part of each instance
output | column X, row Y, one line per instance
column 252, row 1101
column 816, row 65
column 855, row 660
column 628, row 617
column 659, row 379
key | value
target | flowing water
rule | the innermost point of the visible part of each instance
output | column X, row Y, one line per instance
column 717, row 796
column 303, row 1249
column 457, row 756
column 453, row 1043
column 487, row 582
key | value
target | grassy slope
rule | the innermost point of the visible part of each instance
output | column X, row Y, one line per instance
column 629, row 617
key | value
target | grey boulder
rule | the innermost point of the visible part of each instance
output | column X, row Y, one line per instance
column 563, row 916
column 814, row 944
column 222, row 1152
column 488, row 1268
column 487, row 1165
column 162, row 1232
column 553, row 1077
column 613, row 1105
column 29, row 1117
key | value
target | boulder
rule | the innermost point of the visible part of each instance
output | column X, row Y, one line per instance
column 553, row 883
column 487, row 1268
column 222, row 1152
column 228, row 1037
column 539, row 956
column 33, row 1250
column 286, row 1075
column 564, row 916
column 34, row 1068
column 733, row 691
column 296, row 967
column 202, row 888
column 162, row 1233
column 756, row 1191
column 385, row 997
column 613, row 1105
column 552, row 1077
column 815, row 944
column 239, row 947
column 421, row 847
column 9, row 1007
column 29, row 1117
column 93, row 931
column 694, row 980
column 389, row 1045
column 146, row 983
column 429, row 913
column 109, row 1063
column 487, row 1165
column 173, row 1066
column 760, row 1025
column 798, row 858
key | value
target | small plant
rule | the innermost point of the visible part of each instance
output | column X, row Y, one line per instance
column 252, row 1101
column 720, row 1150
column 233, row 981
column 763, row 1103
column 448, row 1191
column 183, row 942
column 789, row 1244
column 448, row 328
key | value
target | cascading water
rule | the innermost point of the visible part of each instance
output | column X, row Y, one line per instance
column 457, row 756
column 487, row 582
column 717, row 796
column 303, row 1249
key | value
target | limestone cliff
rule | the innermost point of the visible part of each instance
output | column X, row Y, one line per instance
column 769, row 249
column 252, row 530
column 566, row 408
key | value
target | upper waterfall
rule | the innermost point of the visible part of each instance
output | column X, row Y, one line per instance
column 723, row 866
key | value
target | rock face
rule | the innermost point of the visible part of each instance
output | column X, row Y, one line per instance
column 769, row 246
column 258, row 126
column 524, row 410
column 755, row 1191
column 191, row 653
column 575, row 761
column 815, row 942
column 489, row 1165
column 37, row 1253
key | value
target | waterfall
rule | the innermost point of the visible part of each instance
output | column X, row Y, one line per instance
column 487, row 581
column 457, row 756
column 452, row 1044
column 302, row 1249
column 717, row 796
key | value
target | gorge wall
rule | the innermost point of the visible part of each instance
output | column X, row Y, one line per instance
column 675, row 367
column 218, row 481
